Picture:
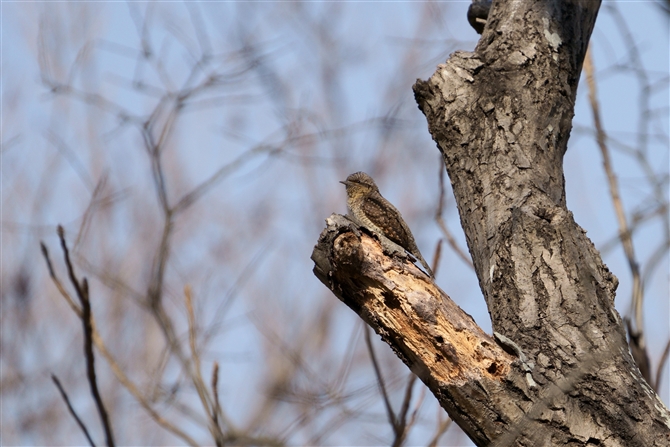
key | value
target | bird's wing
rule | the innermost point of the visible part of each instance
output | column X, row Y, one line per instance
column 383, row 214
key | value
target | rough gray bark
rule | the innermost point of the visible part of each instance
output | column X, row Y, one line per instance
column 501, row 116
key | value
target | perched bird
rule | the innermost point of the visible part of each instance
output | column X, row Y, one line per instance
column 369, row 208
column 478, row 13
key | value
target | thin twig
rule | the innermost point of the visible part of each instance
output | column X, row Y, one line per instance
column 153, row 147
column 215, row 392
column 196, row 376
column 624, row 231
column 402, row 414
column 661, row 365
column 443, row 225
column 227, row 169
column 118, row 372
column 72, row 412
column 380, row 381
column 68, row 264
column 71, row 157
column 130, row 386
column 59, row 285
column 90, row 210
column 437, row 256
column 442, row 427
column 403, row 423
column 417, row 407
column 86, row 318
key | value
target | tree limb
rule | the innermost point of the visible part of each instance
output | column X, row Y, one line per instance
column 440, row 343
column 501, row 117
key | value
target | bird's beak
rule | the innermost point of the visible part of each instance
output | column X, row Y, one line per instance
column 344, row 183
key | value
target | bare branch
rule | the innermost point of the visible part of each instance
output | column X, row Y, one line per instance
column 437, row 255
column 445, row 230
column 661, row 365
column 404, row 424
column 87, row 318
column 380, row 382
column 57, row 282
column 442, row 427
column 72, row 412
column 215, row 392
column 196, row 375
column 624, row 231
column 120, row 375
column 224, row 171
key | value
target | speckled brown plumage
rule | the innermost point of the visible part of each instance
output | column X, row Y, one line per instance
column 373, row 211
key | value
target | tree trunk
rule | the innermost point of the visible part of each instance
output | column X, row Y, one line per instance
column 560, row 371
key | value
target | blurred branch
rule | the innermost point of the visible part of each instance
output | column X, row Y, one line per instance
column 10, row 142
column 190, row 198
column 648, row 115
column 624, row 232
column 56, row 281
column 403, row 424
column 661, row 366
column 655, row 259
column 156, row 131
column 71, row 158
column 319, row 396
column 120, row 375
column 638, row 219
column 148, row 53
column 442, row 427
column 199, row 28
column 93, row 99
column 437, row 256
column 196, row 376
column 263, row 148
column 380, row 382
column 443, row 225
column 114, row 283
column 88, row 214
column 241, row 279
column 72, row 412
column 399, row 422
column 215, row 392
column 87, row 318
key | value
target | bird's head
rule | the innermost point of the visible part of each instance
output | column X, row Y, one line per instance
column 359, row 184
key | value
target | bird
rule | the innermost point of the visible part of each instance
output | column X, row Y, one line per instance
column 368, row 207
column 478, row 13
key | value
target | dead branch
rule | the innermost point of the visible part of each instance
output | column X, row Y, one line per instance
column 438, row 341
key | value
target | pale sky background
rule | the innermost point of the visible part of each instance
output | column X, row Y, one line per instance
column 376, row 34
